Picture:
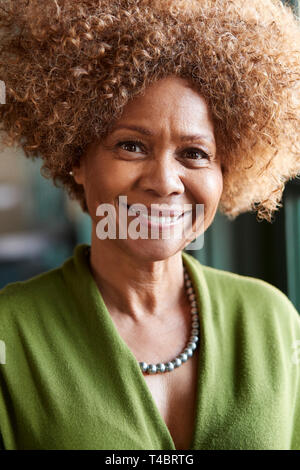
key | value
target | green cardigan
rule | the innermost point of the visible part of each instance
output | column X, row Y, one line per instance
column 71, row 382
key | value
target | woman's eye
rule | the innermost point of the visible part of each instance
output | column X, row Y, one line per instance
column 196, row 154
column 130, row 146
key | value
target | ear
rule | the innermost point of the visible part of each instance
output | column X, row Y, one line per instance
column 78, row 174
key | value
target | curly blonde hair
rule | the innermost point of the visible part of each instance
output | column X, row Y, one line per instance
column 71, row 67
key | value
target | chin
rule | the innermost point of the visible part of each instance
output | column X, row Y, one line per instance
column 153, row 250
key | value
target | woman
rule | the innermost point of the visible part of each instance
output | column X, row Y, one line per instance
column 133, row 344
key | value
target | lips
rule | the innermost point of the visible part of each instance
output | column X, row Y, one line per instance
column 158, row 217
column 157, row 212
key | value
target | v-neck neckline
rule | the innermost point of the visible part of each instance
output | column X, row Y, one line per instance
column 132, row 362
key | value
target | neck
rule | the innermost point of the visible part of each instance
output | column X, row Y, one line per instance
column 134, row 286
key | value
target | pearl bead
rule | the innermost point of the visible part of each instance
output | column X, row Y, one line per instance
column 194, row 303
column 152, row 369
column 143, row 366
column 169, row 366
column 192, row 346
column 160, row 367
column 183, row 357
column 195, row 318
column 188, row 283
column 192, row 297
column 194, row 339
column 188, row 351
column 195, row 324
column 194, row 311
column 176, row 362
column 195, row 331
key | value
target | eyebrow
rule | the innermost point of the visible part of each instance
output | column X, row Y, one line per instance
column 183, row 138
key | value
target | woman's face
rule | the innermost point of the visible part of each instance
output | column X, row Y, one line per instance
column 161, row 151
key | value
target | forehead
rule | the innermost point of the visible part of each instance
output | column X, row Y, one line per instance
column 171, row 102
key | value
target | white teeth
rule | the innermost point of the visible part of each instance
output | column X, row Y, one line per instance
column 155, row 219
column 162, row 220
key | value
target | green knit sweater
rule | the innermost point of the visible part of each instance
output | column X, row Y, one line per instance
column 70, row 381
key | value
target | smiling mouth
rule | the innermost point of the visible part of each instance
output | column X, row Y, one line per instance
column 154, row 220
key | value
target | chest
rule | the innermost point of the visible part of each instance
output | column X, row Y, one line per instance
column 175, row 395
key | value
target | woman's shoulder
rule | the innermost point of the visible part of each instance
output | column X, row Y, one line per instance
column 44, row 285
column 44, row 297
column 23, row 299
column 239, row 292
column 31, row 285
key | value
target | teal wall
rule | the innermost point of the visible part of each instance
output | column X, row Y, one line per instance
column 292, row 230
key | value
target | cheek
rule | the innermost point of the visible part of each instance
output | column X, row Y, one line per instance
column 106, row 180
column 206, row 188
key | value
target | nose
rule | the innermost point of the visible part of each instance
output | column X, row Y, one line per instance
column 162, row 176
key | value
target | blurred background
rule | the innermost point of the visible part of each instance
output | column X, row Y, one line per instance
column 40, row 226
